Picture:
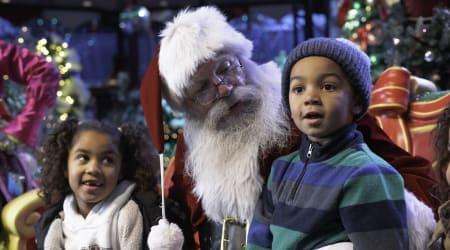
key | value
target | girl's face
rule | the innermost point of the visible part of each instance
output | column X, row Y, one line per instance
column 94, row 168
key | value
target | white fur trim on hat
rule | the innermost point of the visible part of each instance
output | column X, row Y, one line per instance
column 192, row 38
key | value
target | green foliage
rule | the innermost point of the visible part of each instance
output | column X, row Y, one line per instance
column 421, row 45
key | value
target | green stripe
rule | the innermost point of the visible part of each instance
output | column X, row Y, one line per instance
column 351, row 157
column 269, row 181
column 254, row 247
column 326, row 235
column 337, row 237
column 372, row 188
column 294, row 156
column 284, row 238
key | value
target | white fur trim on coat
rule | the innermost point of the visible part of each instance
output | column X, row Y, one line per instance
column 421, row 222
column 192, row 38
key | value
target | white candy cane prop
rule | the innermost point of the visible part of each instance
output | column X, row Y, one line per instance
column 161, row 169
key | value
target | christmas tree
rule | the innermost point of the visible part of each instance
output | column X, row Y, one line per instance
column 362, row 24
column 392, row 33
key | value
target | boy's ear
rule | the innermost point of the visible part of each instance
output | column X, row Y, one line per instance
column 357, row 107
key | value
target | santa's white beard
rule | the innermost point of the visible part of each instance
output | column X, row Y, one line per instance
column 224, row 163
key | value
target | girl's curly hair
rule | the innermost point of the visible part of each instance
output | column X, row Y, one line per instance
column 139, row 156
column 442, row 154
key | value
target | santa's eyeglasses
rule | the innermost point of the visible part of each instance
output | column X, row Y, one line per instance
column 227, row 74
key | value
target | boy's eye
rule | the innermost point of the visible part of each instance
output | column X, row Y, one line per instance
column 297, row 89
column 329, row 86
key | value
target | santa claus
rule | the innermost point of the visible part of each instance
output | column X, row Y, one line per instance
column 235, row 127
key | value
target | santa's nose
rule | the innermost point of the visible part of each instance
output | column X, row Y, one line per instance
column 224, row 89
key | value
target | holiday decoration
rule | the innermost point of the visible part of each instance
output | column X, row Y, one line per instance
column 135, row 19
column 421, row 45
column 407, row 35
column 44, row 36
column 363, row 26
column 406, row 121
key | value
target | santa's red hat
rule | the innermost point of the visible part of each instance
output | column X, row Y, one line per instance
column 151, row 103
column 193, row 37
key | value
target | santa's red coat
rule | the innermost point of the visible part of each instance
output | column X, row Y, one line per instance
column 416, row 171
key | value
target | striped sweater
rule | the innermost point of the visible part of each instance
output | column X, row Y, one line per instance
column 322, row 195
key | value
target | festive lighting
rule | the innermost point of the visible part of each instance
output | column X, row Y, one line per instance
column 396, row 41
column 63, row 117
column 56, row 52
column 373, row 59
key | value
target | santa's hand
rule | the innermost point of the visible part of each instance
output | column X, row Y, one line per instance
column 165, row 236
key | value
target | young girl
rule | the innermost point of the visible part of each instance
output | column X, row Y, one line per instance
column 101, row 180
column 442, row 161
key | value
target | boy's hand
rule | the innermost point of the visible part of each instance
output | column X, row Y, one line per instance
column 165, row 236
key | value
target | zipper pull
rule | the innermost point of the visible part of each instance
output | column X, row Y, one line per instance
column 310, row 149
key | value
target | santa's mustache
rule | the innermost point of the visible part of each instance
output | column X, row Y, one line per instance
column 249, row 96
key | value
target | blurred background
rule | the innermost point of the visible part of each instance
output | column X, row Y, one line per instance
column 102, row 48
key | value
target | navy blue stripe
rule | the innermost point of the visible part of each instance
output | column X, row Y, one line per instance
column 305, row 220
column 374, row 216
column 260, row 235
column 282, row 170
column 324, row 175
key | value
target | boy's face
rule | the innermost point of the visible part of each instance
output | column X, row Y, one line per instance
column 320, row 98
column 93, row 170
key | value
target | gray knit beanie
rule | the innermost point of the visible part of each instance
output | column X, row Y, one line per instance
column 354, row 62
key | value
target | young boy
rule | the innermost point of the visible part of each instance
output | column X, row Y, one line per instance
column 334, row 189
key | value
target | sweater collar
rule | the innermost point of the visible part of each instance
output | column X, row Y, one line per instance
column 340, row 140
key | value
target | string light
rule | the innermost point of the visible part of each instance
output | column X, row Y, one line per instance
column 57, row 53
column 63, row 117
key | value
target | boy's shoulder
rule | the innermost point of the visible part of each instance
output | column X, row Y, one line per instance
column 359, row 156
column 293, row 156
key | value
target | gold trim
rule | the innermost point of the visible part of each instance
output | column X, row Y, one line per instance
column 407, row 142
column 434, row 112
column 432, row 101
column 396, row 68
column 391, row 87
column 390, row 105
column 422, row 129
column 380, row 123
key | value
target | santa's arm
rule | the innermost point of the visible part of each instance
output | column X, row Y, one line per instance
column 416, row 171
column 41, row 82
